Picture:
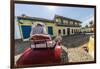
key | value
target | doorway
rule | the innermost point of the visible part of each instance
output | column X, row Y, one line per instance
column 68, row 31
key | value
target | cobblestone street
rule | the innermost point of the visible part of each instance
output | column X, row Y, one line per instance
column 73, row 45
column 78, row 55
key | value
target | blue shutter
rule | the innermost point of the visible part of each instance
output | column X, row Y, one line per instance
column 26, row 31
column 50, row 30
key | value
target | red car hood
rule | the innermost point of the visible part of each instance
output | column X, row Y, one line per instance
column 40, row 56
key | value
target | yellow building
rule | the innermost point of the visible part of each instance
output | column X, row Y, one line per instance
column 87, row 30
column 65, row 26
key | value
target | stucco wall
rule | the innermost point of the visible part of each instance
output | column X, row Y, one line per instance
column 18, row 34
column 17, row 31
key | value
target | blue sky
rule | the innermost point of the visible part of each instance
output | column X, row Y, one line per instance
column 42, row 11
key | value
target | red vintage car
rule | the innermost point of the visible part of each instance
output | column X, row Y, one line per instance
column 42, row 51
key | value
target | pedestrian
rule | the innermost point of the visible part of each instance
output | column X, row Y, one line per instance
column 58, row 39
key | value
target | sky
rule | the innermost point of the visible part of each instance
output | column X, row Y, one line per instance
column 42, row 11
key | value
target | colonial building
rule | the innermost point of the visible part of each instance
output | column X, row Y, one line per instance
column 60, row 24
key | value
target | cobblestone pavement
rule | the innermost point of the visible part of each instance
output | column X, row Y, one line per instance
column 78, row 55
column 21, row 46
column 75, row 40
column 73, row 45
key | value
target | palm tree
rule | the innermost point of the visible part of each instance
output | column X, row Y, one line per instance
column 86, row 26
column 23, row 15
column 91, row 23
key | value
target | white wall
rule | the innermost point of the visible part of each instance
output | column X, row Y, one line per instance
column 17, row 30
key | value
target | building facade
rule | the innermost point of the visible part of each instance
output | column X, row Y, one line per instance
column 65, row 26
